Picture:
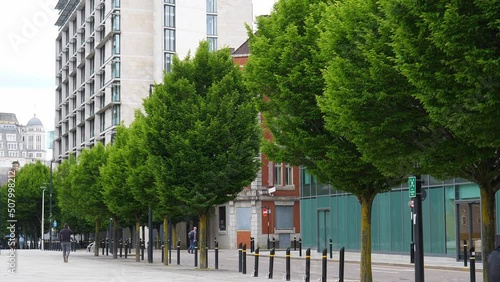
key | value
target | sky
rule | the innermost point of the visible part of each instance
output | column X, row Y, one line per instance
column 27, row 57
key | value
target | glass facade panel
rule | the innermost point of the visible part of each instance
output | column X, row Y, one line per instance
column 169, row 37
column 115, row 92
column 211, row 25
column 115, row 22
column 212, row 43
column 116, row 69
column 396, row 220
column 450, row 229
column 212, row 6
column 116, row 114
column 169, row 20
column 116, row 44
column 168, row 61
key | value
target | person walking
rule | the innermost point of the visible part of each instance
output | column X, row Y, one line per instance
column 192, row 240
column 65, row 237
column 494, row 265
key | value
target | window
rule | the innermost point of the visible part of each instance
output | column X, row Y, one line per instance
column 222, row 218
column 11, row 137
column 288, row 174
column 102, row 119
column 38, row 142
column 13, row 154
column 82, row 116
column 102, row 52
column 116, row 3
column 1, row 154
column 170, row 1
column 115, row 22
column 12, row 146
column 284, row 217
column 116, row 44
column 92, row 127
column 170, row 40
column 115, row 69
column 168, row 62
column 212, row 43
column 116, row 114
column 169, row 20
column 82, row 134
column 211, row 24
column 212, row 6
column 92, row 5
column 30, row 143
column 21, row 146
column 1, row 146
column 115, row 92
column 82, row 97
column 278, row 174
column 38, row 155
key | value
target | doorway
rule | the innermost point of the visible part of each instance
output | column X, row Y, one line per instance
column 468, row 222
column 323, row 229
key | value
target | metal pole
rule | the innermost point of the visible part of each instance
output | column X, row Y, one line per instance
column 50, row 206
column 341, row 265
column 179, row 252
column 472, row 265
column 43, row 215
column 216, row 255
column 244, row 259
column 240, row 257
column 331, row 249
column 271, row 264
column 412, row 244
column 150, row 235
column 419, row 240
column 465, row 253
column 256, row 265
column 307, row 276
column 323, row 266
column 287, row 265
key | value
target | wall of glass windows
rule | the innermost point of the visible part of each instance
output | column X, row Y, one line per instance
column 451, row 214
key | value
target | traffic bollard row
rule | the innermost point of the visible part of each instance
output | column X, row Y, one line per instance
column 256, row 265
column 323, row 264
column 341, row 265
column 216, row 255
column 307, row 275
column 271, row 264
column 472, row 265
column 179, row 252
column 287, row 265
column 244, row 259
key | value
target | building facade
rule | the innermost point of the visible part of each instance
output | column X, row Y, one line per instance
column 450, row 215
column 110, row 53
column 20, row 143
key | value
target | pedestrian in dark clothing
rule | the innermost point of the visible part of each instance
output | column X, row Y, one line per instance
column 192, row 240
column 65, row 237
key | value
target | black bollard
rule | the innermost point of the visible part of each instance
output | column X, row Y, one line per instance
column 244, row 259
column 287, row 265
column 300, row 247
column 294, row 243
column 274, row 243
column 143, row 246
column 179, row 252
column 472, row 265
column 252, row 240
column 216, row 254
column 271, row 264
column 162, row 253
column 256, row 265
column 341, row 265
column 126, row 248
column 323, row 265
column 195, row 254
column 169, row 246
column 102, row 246
column 206, row 255
column 121, row 247
column 240, row 265
column 307, row 276
column 465, row 252
column 412, row 252
column 331, row 249
column 107, row 247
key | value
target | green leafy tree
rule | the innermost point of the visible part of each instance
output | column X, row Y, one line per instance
column 449, row 51
column 203, row 130
column 285, row 68
column 87, row 187
column 27, row 195
column 378, row 108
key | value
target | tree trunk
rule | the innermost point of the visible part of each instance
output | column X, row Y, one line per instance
column 137, row 237
column 202, row 237
column 165, row 240
column 366, row 239
column 96, row 241
column 488, row 212
column 115, row 238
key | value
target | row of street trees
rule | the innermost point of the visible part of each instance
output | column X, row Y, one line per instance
column 366, row 93
column 195, row 145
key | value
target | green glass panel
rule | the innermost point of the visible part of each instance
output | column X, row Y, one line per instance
column 385, row 222
column 376, row 224
column 437, row 226
column 353, row 229
column 426, row 222
column 468, row 191
column 341, row 219
column 307, row 232
column 450, row 222
column 335, row 222
column 396, row 221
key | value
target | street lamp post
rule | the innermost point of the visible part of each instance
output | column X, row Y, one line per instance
column 50, row 206
column 43, row 212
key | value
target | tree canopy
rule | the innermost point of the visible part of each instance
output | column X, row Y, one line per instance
column 203, row 132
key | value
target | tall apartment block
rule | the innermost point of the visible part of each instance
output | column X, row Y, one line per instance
column 109, row 54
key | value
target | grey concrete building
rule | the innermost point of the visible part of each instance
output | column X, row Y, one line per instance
column 109, row 53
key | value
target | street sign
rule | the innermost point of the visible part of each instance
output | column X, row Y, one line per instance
column 55, row 224
column 411, row 204
column 264, row 212
column 412, row 185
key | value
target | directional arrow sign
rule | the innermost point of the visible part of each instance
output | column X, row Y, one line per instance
column 412, row 184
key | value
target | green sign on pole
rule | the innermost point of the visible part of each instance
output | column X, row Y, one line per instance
column 412, row 184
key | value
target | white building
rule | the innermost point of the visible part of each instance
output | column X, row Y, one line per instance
column 109, row 53
column 19, row 143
